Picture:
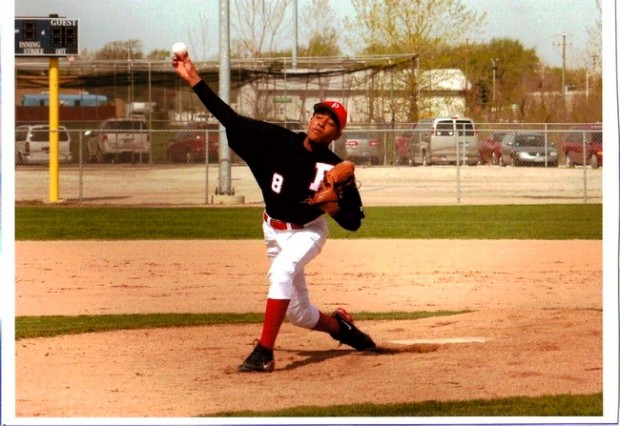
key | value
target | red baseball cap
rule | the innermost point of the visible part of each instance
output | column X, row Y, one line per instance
column 336, row 110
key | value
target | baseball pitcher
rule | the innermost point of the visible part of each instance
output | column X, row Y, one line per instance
column 300, row 179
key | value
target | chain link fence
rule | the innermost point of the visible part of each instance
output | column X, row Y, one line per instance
column 181, row 166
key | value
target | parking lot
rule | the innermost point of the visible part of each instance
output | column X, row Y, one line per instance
column 142, row 184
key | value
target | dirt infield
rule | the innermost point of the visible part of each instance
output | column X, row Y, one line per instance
column 535, row 326
column 535, row 329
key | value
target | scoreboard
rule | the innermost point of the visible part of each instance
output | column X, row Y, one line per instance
column 52, row 36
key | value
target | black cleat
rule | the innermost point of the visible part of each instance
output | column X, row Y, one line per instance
column 349, row 334
column 260, row 360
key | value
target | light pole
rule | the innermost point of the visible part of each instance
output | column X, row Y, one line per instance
column 130, row 76
column 224, row 186
column 590, row 74
column 494, row 63
column 295, row 35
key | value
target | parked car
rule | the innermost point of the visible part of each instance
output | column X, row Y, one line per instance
column 405, row 146
column 119, row 139
column 490, row 148
column 527, row 148
column 360, row 147
column 188, row 144
column 573, row 146
column 32, row 144
column 434, row 141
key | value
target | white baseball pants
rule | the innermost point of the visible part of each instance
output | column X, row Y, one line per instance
column 289, row 251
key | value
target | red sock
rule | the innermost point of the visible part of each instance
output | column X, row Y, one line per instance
column 327, row 324
column 274, row 316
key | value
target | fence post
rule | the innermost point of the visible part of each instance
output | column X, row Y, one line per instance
column 585, row 172
column 384, row 159
column 80, row 174
column 458, row 163
column 546, row 144
column 207, row 166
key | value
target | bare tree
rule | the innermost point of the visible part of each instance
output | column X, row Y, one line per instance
column 595, row 42
column 197, row 38
column 260, row 26
column 129, row 49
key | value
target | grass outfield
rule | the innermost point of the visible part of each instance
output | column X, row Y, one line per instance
column 543, row 222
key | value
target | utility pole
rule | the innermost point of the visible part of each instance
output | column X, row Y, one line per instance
column 494, row 62
column 563, row 46
column 564, row 66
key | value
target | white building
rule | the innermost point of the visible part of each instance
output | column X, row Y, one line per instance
column 443, row 92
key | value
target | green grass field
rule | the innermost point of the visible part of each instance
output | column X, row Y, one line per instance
column 56, row 325
column 453, row 222
column 545, row 222
column 546, row 406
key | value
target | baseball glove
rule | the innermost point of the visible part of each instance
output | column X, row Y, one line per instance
column 334, row 180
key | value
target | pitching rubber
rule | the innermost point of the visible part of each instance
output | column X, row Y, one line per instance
column 420, row 345
column 440, row 341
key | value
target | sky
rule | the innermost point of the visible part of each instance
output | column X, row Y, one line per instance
column 538, row 24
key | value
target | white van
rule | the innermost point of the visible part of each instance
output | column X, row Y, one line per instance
column 437, row 141
column 32, row 144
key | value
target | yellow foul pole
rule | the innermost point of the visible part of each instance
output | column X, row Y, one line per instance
column 53, row 124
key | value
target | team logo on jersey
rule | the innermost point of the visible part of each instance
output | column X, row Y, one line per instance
column 321, row 168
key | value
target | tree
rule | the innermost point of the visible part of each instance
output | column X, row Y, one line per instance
column 259, row 25
column 422, row 27
column 159, row 54
column 199, row 39
column 321, row 45
column 482, row 92
column 86, row 54
column 319, row 25
column 517, row 72
column 129, row 49
column 595, row 41
column 406, row 26
column 592, row 75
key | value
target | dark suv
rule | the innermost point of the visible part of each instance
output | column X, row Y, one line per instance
column 590, row 135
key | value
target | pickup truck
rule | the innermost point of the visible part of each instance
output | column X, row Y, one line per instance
column 119, row 139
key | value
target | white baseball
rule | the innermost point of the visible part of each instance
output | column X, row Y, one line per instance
column 179, row 49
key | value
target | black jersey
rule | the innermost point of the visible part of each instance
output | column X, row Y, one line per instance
column 286, row 172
